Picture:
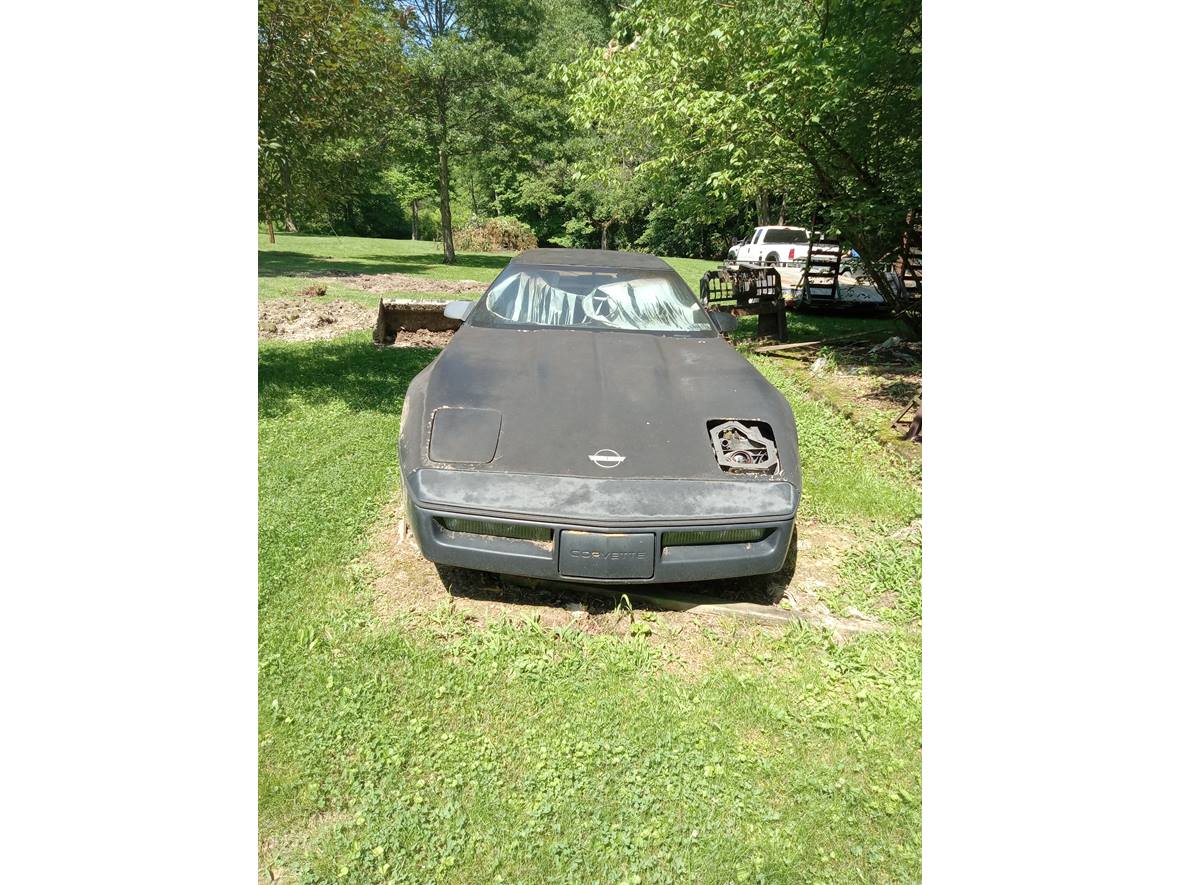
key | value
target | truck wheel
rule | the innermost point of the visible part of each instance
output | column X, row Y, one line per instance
column 772, row 258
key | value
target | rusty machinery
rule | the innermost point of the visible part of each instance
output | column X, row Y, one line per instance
column 746, row 289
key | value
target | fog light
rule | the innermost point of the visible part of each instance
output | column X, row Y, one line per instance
column 718, row 536
column 497, row 529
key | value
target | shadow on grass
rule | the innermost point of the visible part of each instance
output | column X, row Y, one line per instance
column 286, row 264
column 814, row 326
column 802, row 326
column 897, row 392
column 352, row 371
column 897, row 369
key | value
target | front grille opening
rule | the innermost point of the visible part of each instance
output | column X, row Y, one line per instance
column 715, row 536
column 743, row 445
column 497, row 529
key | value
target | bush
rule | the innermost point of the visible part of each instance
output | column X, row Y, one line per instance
column 494, row 235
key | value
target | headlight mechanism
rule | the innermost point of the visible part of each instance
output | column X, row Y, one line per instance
column 743, row 446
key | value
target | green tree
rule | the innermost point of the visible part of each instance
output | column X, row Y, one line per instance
column 459, row 63
column 522, row 161
column 325, row 70
column 820, row 101
column 608, row 192
column 414, row 189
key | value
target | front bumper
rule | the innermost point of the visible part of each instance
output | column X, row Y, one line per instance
column 636, row 516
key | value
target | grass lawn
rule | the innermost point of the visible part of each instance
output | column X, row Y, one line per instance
column 283, row 267
column 438, row 750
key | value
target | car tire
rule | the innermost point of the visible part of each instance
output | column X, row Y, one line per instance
column 788, row 569
column 772, row 258
column 776, row 584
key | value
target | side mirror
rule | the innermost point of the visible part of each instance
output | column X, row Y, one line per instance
column 725, row 322
column 458, row 310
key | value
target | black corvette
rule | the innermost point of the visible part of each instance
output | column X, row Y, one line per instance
column 589, row 423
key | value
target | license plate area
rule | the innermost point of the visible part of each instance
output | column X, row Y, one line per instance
column 610, row 556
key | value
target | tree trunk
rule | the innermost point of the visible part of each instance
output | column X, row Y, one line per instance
column 782, row 211
column 901, row 311
column 270, row 230
column 442, row 97
column 286, row 173
column 413, row 219
column 444, row 206
column 763, row 208
column 605, row 238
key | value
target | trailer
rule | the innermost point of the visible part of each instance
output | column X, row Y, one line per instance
column 746, row 289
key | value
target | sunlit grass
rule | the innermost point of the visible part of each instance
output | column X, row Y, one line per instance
column 460, row 753
column 283, row 266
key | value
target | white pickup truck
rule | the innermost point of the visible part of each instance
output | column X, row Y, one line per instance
column 772, row 245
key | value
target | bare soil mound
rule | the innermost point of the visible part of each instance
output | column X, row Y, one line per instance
column 380, row 283
column 423, row 338
column 307, row 320
column 312, row 320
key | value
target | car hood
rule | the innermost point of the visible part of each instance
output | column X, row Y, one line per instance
column 563, row 395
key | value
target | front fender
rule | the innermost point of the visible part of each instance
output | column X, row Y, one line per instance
column 411, row 430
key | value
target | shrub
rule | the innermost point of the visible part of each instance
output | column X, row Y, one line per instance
column 494, row 235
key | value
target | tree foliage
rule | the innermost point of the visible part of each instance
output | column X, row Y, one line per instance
column 667, row 125
column 820, row 101
column 462, row 56
column 328, row 72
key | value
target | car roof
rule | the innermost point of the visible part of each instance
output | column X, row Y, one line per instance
column 604, row 259
column 779, row 227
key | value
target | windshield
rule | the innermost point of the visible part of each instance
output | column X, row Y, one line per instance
column 569, row 298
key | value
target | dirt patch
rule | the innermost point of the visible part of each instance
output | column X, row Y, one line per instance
column 307, row 320
column 423, row 338
column 296, row 840
column 821, row 549
column 886, row 379
column 866, row 386
column 405, row 583
column 380, row 283
column 886, row 393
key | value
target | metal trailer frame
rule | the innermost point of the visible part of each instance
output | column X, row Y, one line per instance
column 745, row 289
